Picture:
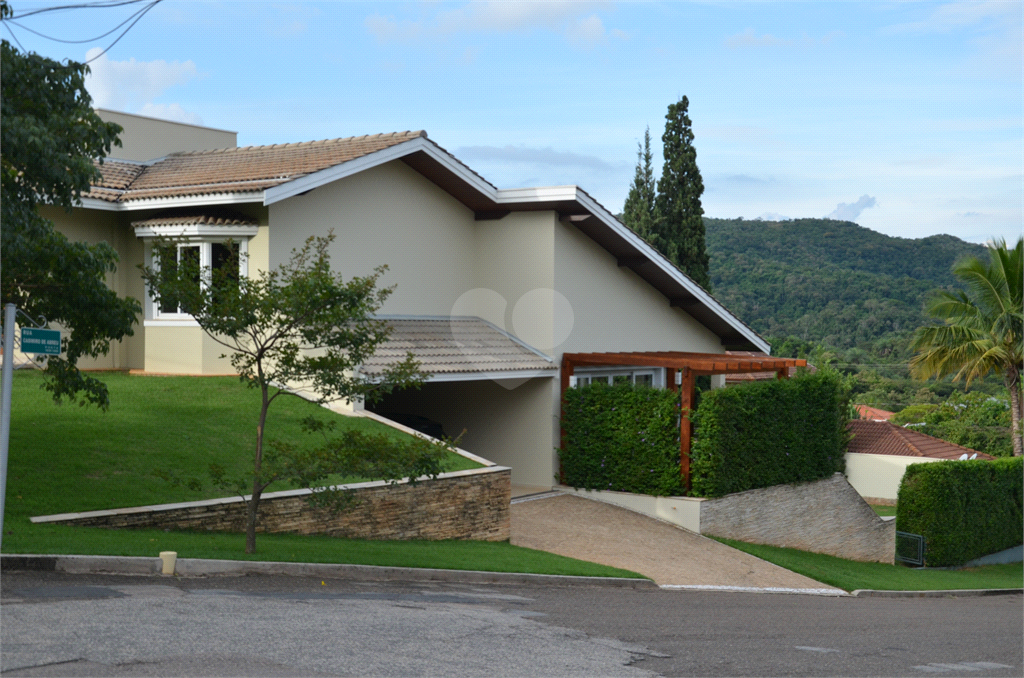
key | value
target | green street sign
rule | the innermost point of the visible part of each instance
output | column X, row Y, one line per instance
column 40, row 341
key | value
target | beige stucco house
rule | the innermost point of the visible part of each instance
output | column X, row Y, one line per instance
column 493, row 285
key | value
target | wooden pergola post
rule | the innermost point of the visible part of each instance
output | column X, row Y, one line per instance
column 687, row 395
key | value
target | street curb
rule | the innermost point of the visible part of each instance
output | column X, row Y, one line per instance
column 950, row 593
column 197, row 567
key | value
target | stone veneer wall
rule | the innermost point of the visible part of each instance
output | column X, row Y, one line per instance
column 824, row 516
column 470, row 504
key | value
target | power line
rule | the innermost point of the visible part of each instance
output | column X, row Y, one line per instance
column 79, row 42
column 103, row 4
column 134, row 18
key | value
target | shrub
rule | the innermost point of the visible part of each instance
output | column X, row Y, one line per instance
column 964, row 509
column 770, row 433
column 622, row 437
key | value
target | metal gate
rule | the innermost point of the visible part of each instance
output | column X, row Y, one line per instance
column 910, row 548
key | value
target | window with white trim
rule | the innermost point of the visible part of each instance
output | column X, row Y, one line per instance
column 212, row 256
column 653, row 377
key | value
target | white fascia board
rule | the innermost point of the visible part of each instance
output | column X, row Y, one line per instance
column 493, row 376
column 655, row 256
column 537, row 194
column 182, row 201
column 194, row 231
column 345, row 169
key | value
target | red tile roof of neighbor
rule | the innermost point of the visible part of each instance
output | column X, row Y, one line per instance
column 873, row 413
column 883, row 437
column 230, row 170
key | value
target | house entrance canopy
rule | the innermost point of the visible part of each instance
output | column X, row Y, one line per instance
column 689, row 366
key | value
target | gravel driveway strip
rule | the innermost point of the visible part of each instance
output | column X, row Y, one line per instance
column 671, row 556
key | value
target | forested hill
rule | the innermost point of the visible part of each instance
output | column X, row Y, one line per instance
column 829, row 281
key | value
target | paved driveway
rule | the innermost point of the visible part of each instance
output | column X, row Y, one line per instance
column 671, row 556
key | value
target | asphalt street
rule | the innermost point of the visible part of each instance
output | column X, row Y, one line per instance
column 93, row 625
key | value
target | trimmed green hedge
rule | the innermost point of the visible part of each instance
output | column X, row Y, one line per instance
column 769, row 433
column 622, row 437
column 964, row 509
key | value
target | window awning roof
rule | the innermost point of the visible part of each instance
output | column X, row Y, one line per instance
column 458, row 348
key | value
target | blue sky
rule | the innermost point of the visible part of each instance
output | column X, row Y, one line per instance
column 905, row 117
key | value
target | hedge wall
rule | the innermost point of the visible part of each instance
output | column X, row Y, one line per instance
column 769, row 433
column 964, row 509
column 622, row 437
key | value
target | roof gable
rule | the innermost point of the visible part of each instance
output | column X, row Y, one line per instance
column 275, row 173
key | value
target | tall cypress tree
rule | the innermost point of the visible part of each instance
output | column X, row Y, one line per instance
column 640, row 212
column 681, row 227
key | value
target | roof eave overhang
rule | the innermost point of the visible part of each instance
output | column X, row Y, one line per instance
column 206, row 200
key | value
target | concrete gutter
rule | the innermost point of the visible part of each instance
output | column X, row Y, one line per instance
column 950, row 593
column 197, row 567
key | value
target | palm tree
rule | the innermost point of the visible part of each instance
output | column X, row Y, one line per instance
column 984, row 327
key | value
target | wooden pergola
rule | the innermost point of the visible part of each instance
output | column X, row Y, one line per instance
column 691, row 366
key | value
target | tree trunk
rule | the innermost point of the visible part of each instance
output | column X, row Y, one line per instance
column 1013, row 385
column 257, row 481
column 252, row 512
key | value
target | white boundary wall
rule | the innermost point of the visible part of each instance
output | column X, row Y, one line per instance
column 878, row 476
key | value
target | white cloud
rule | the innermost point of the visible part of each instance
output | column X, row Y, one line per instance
column 547, row 157
column 132, row 85
column 850, row 212
column 749, row 38
column 575, row 21
column 773, row 216
column 958, row 15
column 587, row 33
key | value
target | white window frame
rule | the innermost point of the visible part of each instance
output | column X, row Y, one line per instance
column 205, row 265
column 587, row 375
column 197, row 235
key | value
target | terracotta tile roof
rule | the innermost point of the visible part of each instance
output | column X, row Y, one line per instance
column 758, row 376
column 873, row 413
column 231, row 170
column 455, row 345
column 883, row 437
column 209, row 216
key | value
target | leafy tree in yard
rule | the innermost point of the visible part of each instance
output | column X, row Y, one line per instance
column 49, row 140
column 298, row 324
column 640, row 212
column 984, row 327
column 975, row 420
column 681, row 229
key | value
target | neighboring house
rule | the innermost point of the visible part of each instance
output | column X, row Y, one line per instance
column 880, row 452
column 873, row 413
column 493, row 285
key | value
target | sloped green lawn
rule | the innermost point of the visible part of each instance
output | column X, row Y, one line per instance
column 69, row 458
column 851, row 575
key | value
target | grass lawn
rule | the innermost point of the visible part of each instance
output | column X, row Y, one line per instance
column 68, row 458
column 453, row 555
column 850, row 575
column 883, row 510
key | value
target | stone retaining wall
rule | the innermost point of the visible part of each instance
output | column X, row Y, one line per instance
column 471, row 504
column 824, row 516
